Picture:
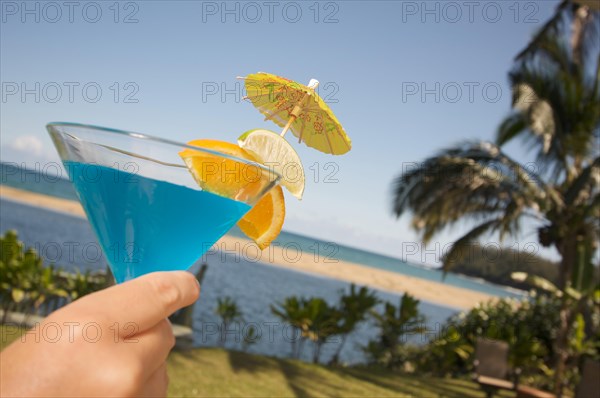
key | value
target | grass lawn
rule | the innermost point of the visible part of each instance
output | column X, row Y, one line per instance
column 211, row 372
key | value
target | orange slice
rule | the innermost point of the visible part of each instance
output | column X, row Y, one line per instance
column 222, row 176
column 234, row 180
column 263, row 222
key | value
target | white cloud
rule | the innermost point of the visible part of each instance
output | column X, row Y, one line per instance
column 29, row 144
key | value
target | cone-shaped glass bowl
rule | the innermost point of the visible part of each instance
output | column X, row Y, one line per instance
column 149, row 210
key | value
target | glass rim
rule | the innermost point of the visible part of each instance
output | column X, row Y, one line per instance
column 142, row 136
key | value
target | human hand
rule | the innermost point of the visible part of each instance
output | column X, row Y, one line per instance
column 114, row 342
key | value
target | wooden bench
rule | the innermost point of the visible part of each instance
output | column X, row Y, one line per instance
column 530, row 392
column 492, row 372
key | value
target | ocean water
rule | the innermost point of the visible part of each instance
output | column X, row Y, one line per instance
column 45, row 182
column 47, row 179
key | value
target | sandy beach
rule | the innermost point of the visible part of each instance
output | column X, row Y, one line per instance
column 287, row 257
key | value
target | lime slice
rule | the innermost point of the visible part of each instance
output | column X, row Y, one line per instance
column 276, row 153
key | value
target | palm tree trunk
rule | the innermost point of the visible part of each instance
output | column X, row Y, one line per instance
column 223, row 333
column 568, row 251
column 300, row 345
column 336, row 357
column 6, row 307
column 561, row 343
column 294, row 345
column 317, row 351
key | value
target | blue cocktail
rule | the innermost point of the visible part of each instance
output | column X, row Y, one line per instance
column 148, row 212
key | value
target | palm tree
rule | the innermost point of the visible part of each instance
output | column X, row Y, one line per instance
column 353, row 307
column 291, row 312
column 321, row 322
column 228, row 310
column 313, row 319
column 556, row 109
column 249, row 338
column 394, row 324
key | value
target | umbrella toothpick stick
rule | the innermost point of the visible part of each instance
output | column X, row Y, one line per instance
column 294, row 114
column 298, row 108
column 288, row 124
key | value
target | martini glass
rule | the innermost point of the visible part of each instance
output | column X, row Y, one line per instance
column 149, row 211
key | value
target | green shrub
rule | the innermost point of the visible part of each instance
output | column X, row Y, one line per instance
column 528, row 326
column 26, row 285
column 395, row 323
column 313, row 319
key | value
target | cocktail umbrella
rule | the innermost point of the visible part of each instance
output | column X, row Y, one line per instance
column 296, row 107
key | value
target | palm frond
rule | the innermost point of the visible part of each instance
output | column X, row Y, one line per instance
column 565, row 10
column 555, row 85
column 510, row 128
column 462, row 245
column 544, row 30
column 476, row 180
column 584, row 183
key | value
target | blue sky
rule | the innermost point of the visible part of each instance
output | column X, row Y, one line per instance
column 405, row 79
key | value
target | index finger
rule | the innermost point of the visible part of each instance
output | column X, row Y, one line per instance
column 146, row 300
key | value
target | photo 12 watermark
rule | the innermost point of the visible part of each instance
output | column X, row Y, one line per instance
column 53, row 172
column 289, row 252
column 470, row 12
column 237, row 92
column 90, row 92
column 438, row 252
column 252, row 12
column 72, row 331
column 451, row 92
column 54, row 12
column 490, row 172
